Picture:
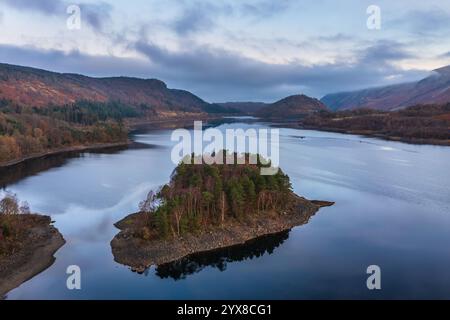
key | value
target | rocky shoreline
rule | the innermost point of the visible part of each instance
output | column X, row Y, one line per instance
column 138, row 254
column 35, row 255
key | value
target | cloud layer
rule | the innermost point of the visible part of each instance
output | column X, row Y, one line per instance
column 95, row 15
column 230, row 51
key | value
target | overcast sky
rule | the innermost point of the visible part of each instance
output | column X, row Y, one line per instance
column 254, row 50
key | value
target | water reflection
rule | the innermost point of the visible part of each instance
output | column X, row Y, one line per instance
column 392, row 205
column 31, row 167
column 219, row 259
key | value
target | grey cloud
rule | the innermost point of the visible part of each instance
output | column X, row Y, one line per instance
column 384, row 52
column 72, row 62
column 219, row 75
column 338, row 37
column 192, row 20
column 430, row 22
column 445, row 55
column 265, row 8
column 43, row 6
column 95, row 15
column 198, row 16
column 211, row 68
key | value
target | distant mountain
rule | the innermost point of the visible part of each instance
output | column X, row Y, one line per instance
column 244, row 107
column 40, row 88
column 292, row 107
column 434, row 89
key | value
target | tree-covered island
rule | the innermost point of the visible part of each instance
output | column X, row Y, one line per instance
column 205, row 207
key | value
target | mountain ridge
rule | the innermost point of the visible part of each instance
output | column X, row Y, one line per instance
column 434, row 89
column 41, row 88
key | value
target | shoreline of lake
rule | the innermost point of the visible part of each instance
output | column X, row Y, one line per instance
column 132, row 125
column 65, row 150
column 42, row 242
column 373, row 134
column 364, row 133
column 170, row 123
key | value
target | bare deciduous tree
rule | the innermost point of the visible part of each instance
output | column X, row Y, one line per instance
column 9, row 204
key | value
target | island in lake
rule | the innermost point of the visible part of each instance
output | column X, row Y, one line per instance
column 28, row 243
column 207, row 207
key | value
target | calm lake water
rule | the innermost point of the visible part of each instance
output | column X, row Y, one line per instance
column 392, row 210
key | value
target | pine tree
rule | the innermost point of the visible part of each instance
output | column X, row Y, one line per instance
column 162, row 222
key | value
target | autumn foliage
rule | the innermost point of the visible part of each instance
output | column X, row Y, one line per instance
column 26, row 131
column 13, row 225
column 417, row 123
column 200, row 196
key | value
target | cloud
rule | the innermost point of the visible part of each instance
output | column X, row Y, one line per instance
column 217, row 69
column 430, row 22
column 95, row 15
column 221, row 75
column 72, row 62
column 201, row 16
column 198, row 17
column 192, row 21
column 445, row 55
column 49, row 7
column 265, row 8
column 335, row 38
column 384, row 52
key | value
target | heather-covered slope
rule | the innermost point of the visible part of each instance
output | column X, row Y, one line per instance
column 434, row 89
column 39, row 88
column 292, row 107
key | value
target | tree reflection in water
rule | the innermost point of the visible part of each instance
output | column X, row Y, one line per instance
column 219, row 259
column 12, row 174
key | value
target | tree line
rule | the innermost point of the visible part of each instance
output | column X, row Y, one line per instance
column 26, row 131
column 89, row 112
column 429, row 122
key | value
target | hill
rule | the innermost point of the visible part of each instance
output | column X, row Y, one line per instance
column 44, row 112
column 247, row 108
column 434, row 89
column 39, row 88
column 292, row 107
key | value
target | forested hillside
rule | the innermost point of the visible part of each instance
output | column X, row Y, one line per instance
column 43, row 111
column 25, row 131
column 417, row 124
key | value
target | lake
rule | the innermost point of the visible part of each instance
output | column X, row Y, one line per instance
column 392, row 210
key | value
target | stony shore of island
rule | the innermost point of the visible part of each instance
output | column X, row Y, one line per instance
column 131, row 250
